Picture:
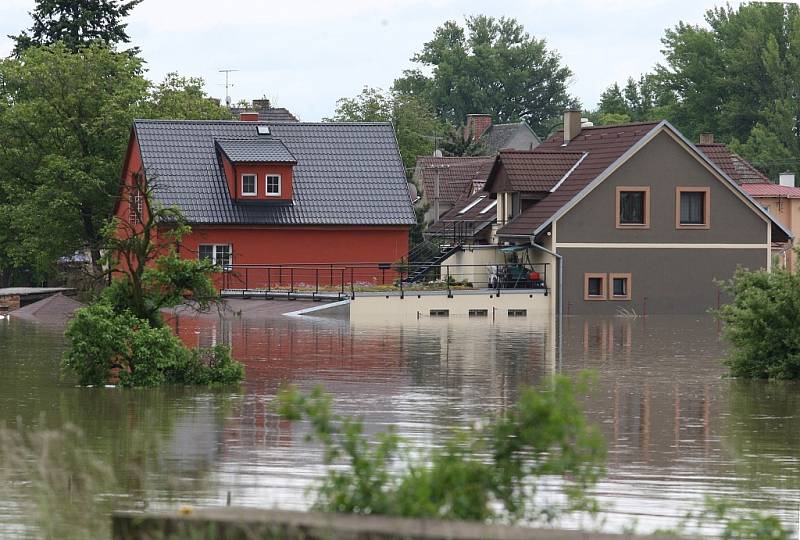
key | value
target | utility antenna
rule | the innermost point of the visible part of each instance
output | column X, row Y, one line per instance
column 228, row 85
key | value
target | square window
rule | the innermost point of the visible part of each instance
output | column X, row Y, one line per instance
column 206, row 251
column 249, row 184
column 620, row 286
column 479, row 313
column 273, row 184
column 594, row 286
column 692, row 208
column 219, row 254
column 633, row 207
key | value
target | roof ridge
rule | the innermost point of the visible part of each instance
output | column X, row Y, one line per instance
column 628, row 124
column 256, row 122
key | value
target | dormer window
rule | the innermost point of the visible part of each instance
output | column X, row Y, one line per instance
column 249, row 183
column 274, row 185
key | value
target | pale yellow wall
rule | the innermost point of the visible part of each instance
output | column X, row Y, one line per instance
column 787, row 212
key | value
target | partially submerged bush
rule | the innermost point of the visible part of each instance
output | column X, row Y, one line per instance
column 762, row 324
column 102, row 339
column 483, row 473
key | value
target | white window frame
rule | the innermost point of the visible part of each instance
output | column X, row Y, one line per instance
column 136, row 210
column 255, row 185
column 266, row 185
column 215, row 256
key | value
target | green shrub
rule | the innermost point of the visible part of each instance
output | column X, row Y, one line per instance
column 484, row 473
column 101, row 339
column 762, row 324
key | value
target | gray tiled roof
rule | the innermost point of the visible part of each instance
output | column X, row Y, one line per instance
column 271, row 114
column 499, row 136
column 261, row 149
column 346, row 174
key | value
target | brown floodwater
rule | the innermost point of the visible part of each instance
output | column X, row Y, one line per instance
column 676, row 429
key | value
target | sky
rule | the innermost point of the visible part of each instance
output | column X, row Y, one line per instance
column 306, row 54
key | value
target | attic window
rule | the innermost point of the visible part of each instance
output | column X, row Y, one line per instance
column 471, row 205
column 273, row 184
column 262, row 130
column 489, row 206
column 136, row 207
column 249, row 184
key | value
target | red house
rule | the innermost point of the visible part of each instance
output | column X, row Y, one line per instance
column 288, row 193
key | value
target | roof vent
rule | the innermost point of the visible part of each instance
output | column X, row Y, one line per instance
column 262, row 130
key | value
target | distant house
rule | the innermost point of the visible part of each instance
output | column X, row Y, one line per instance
column 633, row 216
column 442, row 181
column 289, row 193
column 266, row 112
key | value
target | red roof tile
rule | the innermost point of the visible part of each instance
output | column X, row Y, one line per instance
column 732, row 164
column 768, row 189
column 533, row 170
column 457, row 175
column 603, row 145
column 478, row 209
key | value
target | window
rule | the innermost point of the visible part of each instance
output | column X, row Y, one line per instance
column 440, row 313
column 633, row 207
column 517, row 312
column 479, row 313
column 471, row 205
column 136, row 207
column 620, row 286
column 692, row 208
column 273, row 184
column 249, row 184
column 594, row 287
column 219, row 254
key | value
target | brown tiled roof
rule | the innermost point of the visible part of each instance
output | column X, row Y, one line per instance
column 732, row 164
column 480, row 214
column 536, row 171
column 771, row 190
column 457, row 175
column 603, row 145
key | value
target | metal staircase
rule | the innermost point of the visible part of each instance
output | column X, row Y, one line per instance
column 427, row 256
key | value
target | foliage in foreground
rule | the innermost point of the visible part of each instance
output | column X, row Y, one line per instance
column 102, row 339
column 485, row 473
column 762, row 324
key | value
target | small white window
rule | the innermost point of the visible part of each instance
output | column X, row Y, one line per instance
column 249, row 185
column 273, row 184
column 219, row 254
column 136, row 208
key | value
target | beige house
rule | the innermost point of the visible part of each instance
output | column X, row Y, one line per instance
column 782, row 200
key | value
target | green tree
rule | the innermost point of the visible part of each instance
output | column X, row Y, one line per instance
column 490, row 66
column 179, row 97
column 738, row 77
column 65, row 130
column 455, row 143
column 76, row 23
column 415, row 124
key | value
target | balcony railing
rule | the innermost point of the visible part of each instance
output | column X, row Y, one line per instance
column 348, row 280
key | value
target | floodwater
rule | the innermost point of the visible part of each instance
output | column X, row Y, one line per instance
column 676, row 429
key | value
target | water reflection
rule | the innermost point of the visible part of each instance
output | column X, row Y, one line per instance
column 676, row 429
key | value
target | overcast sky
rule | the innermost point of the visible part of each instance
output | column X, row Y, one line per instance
column 305, row 54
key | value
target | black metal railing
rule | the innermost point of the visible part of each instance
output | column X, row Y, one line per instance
column 346, row 280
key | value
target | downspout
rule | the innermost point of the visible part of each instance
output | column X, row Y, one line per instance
column 560, row 298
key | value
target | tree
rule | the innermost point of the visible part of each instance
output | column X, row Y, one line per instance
column 491, row 66
column 178, row 97
column 456, row 143
column 65, row 131
column 737, row 77
column 76, row 23
column 415, row 124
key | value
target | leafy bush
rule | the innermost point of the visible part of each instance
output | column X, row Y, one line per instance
column 483, row 473
column 762, row 323
column 101, row 339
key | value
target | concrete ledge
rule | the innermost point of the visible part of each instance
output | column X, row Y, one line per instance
column 252, row 524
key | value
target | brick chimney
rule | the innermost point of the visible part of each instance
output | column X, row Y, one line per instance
column 261, row 104
column 248, row 116
column 572, row 124
column 477, row 124
column 706, row 138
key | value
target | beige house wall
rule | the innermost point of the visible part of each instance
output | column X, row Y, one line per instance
column 787, row 211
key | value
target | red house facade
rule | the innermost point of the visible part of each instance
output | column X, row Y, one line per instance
column 294, row 193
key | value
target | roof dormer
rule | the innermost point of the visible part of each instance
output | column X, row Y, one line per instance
column 258, row 169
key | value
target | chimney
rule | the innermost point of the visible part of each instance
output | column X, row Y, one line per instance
column 706, row 138
column 248, row 116
column 477, row 124
column 572, row 124
column 261, row 104
column 786, row 179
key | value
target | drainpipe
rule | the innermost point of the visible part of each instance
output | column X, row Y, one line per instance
column 560, row 302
